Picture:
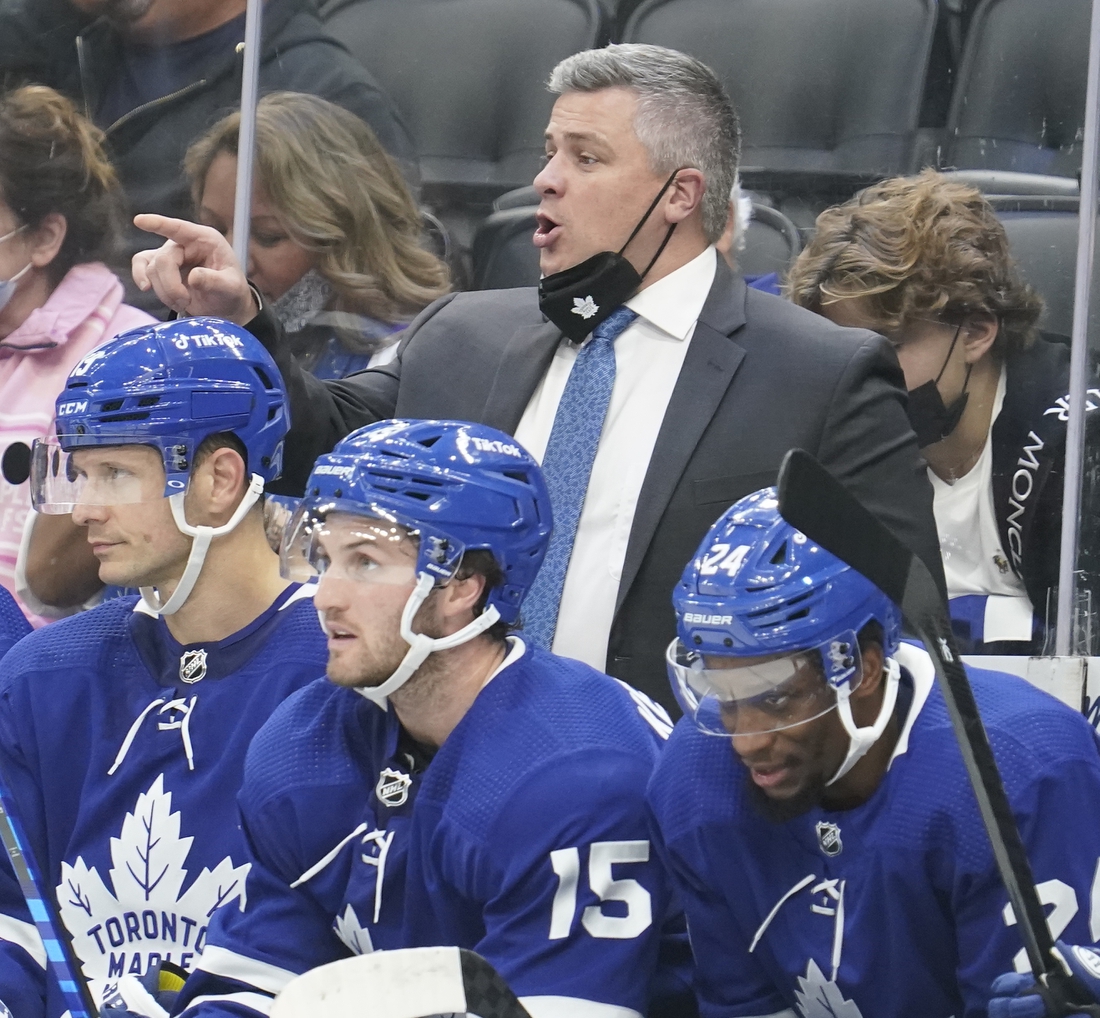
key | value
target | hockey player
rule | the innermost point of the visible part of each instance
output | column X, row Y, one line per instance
column 813, row 807
column 123, row 729
column 13, row 623
column 447, row 784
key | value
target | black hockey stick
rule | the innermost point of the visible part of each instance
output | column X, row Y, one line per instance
column 412, row 983
column 816, row 503
column 59, row 954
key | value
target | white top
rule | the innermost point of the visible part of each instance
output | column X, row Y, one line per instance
column 973, row 559
column 648, row 356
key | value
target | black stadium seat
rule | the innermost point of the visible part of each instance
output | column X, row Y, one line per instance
column 469, row 77
column 504, row 256
column 1019, row 103
column 1042, row 233
column 820, row 86
column 503, row 253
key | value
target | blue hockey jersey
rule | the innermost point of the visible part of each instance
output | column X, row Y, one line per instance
column 13, row 623
column 893, row 909
column 524, row 838
column 124, row 752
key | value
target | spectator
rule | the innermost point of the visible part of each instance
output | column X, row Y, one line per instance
column 335, row 241
column 734, row 237
column 59, row 209
column 154, row 74
column 925, row 261
column 646, row 438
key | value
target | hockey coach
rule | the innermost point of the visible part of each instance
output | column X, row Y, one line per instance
column 651, row 384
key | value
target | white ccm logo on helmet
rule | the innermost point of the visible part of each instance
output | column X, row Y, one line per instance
column 76, row 407
column 721, row 558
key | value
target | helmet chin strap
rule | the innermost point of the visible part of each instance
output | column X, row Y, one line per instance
column 862, row 739
column 202, row 536
column 421, row 645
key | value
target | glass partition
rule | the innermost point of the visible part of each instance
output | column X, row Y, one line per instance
column 833, row 97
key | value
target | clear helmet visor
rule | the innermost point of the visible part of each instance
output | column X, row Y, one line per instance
column 730, row 696
column 107, row 473
column 328, row 540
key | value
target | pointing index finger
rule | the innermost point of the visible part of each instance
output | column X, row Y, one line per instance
column 179, row 230
column 200, row 245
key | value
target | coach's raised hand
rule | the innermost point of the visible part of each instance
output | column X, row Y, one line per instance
column 194, row 272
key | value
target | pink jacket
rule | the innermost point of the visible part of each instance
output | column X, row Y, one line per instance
column 85, row 309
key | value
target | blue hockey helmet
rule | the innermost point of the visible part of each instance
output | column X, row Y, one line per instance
column 457, row 486
column 759, row 589
column 168, row 385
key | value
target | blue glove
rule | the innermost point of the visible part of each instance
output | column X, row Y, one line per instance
column 1013, row 992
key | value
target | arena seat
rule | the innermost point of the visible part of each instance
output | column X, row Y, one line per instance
column 816, row 88
column 503, row 255
column 1019, row 102
column 1010, row 182
column 467, row 79
column 1042, row 232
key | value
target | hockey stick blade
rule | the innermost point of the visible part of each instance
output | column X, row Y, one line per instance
column 59, row 955
column 818, row 505
column 411, row 983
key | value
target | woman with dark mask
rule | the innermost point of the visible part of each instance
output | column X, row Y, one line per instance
column 925, row 262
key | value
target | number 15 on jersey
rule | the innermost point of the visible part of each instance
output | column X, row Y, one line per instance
column 602, row 855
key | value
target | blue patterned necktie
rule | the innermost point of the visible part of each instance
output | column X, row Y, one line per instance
column 567, row 465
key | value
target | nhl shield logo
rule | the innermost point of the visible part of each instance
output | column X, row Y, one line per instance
column 393, row 787
column 828, row 838
column 193, row 666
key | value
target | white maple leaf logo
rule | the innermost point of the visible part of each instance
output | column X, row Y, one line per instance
column 818, row 997
column 352, row 932
column 586, row 308
column 146, row 919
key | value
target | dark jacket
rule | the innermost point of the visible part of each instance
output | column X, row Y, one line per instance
column 37, row 43
column 147, row 145
column 759, row 377
column 1029, row 445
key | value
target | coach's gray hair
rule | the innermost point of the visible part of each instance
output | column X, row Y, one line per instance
column 685, row 117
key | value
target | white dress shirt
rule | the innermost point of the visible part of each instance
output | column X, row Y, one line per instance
column 648, row 356
column 970, row 543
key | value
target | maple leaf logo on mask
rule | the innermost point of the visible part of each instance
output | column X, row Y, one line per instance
column 147, row 916
column 586, row 308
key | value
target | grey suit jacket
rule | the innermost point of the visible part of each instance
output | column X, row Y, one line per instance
column 761, row 376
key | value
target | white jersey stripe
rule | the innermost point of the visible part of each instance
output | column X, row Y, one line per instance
column 573, row 1007
column 23, row 935
column 304, row 591
column 256, row 1001
column 219, row 961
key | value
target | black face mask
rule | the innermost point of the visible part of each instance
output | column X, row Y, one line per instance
column 931, row 420
column 578, row 299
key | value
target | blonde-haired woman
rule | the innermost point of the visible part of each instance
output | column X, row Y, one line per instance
column 60, row 208
column 335, row 243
